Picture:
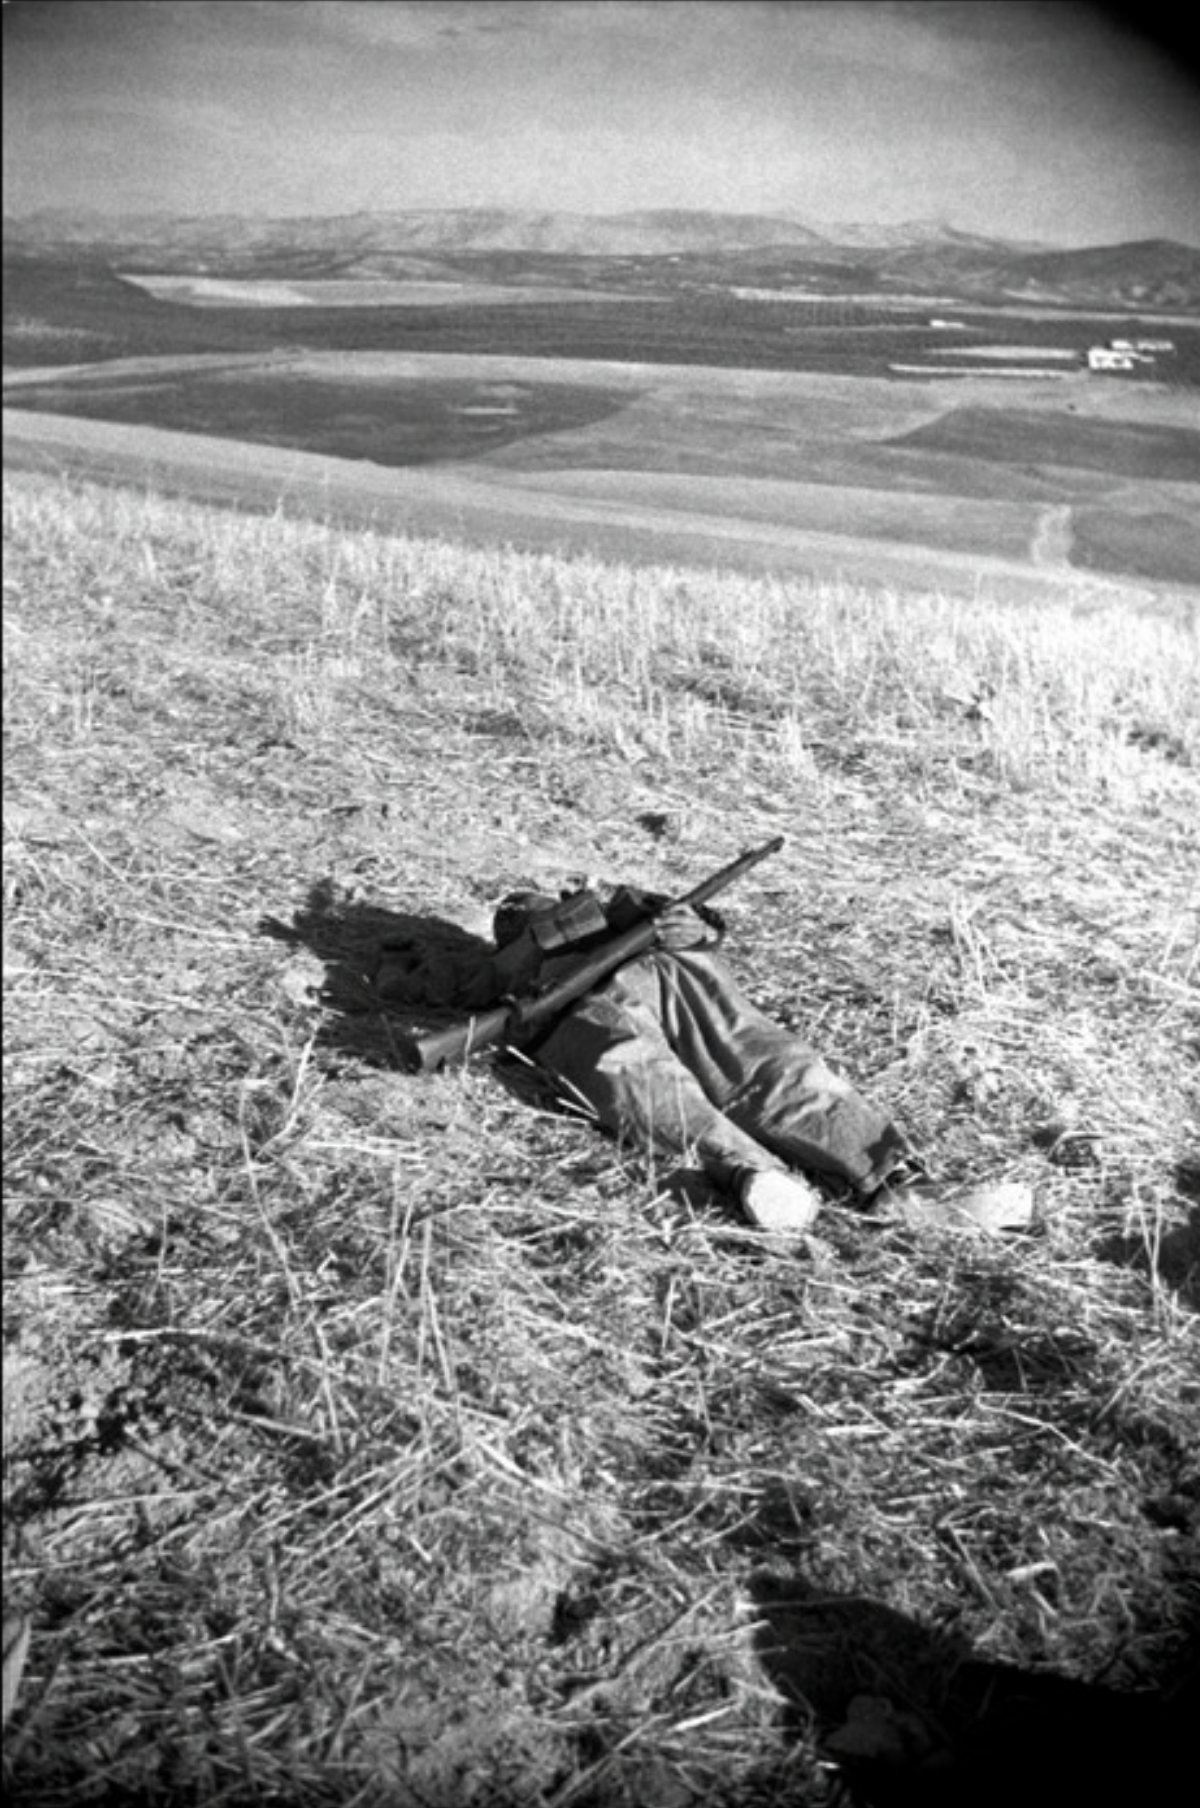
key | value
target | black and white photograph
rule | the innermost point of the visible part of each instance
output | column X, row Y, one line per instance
column 601, row 933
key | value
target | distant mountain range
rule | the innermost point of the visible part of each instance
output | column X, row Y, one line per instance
column 922, row 257
column 658, row 233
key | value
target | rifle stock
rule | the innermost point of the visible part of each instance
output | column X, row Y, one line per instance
column 523, row 1017
column 446, row 1047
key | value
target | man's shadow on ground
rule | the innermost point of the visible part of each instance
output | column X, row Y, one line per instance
column 353, row 940
column 914, row 1720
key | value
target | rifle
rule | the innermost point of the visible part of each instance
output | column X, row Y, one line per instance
column 521, row 1017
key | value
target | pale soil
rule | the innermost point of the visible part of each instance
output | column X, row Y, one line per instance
column 210, row 291
column 1006, row 353
column 1053, row 537
column 115, row 369
column 1023, row 375
column 218, row 292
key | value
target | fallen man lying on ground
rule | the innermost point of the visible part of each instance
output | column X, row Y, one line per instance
column 669, row 1055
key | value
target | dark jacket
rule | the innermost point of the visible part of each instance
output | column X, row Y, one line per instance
column 536, row 952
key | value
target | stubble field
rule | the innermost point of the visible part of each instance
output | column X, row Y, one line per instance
column 380, row 1439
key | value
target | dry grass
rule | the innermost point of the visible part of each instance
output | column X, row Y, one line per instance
column 381, row 1439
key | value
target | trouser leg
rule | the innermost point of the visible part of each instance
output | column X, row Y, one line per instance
column 610, row 1054
column 767, row 1082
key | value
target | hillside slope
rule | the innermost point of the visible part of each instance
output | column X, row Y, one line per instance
column 378, row 1438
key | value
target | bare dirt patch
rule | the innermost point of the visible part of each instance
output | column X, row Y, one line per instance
column 1054, row 538
column 213, row 291
column 329, row 292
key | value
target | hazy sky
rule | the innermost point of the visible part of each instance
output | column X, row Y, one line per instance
column 1024, row 118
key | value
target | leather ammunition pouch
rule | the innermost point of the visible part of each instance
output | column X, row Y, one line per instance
column 573, row 920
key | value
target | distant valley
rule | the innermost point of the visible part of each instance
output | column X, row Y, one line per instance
column 907, row 405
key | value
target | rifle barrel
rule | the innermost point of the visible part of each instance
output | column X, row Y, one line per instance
column 728, row 875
